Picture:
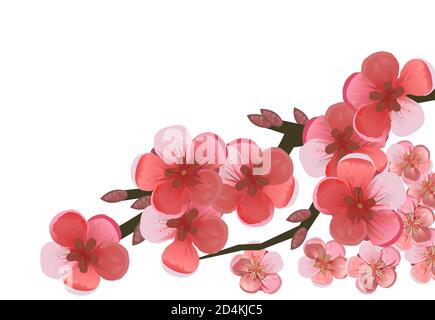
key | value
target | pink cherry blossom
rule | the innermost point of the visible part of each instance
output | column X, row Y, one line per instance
column 255, row 182
column 329, row 138
column 379, row 95
column 424, row 190
column 422, row 258
column 180, row 170
column 83, row 251
column 258, row 271
column 374, row 266
column 361, row 204
column 323, row 262
column 416, row 222
column 197, row 227
column 408, row 161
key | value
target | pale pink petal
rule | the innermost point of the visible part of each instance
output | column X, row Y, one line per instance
column 416, row 78
column 355, row 266
column 277, row 167
column 53, row 260
column 272, row 262
column 356, row 91
column 338, row 267
column 306, row 267
column 153, row 226
column 372, row 125
column 323, row 278
column 319, row 129
column 347, row 232
column 208, row 188
column 250, row 285
column 280, row 194
column 103, row 229
column 405, row 241
column 314, row 248
column 170, row 200
column 335, row 250
column 80, row 281
column 388, row 191
column 340, row 116
column 380, row 67
column 181, row 257
column 243, row 152
column 384, row 228
column 396, row 155
column 408, row 119
column 421, row 234
column 378, row 157
column 366, row 282
column 256, row 255
column 390, row 256
column 228, row 199
column 172, row 144
column 240, row 265
column 314, row 158
column 386, row 277
column 112, row 262
column 369, row 252
column 271, row 283
column 149, row 172
column 356, row 171
column 255, row 210
column 416, row 254
column 209, row 148
column 425, row 215
column 68, row 226
column 421, row 272
column 211, row 234
column 329, row 196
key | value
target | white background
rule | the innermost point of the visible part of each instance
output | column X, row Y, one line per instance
column 84, row 85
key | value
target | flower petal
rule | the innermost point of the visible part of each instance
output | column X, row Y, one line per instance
column 271, row 283
column 272, row 262
column 388, row 191
column 255, row 210
column 103, row 229
column 329, row 196
column 384, row 228
column 421, row 272
column 112, row 261
column 318, row 129
column 368, row 252
column 149, row 172
column 68, row 226
column 416, row 78
column 277, row 166
column 82, row 281
column 153, row 226
column 338, row 267
column 53, row 260
column 240, row 265
column 390, row 256
column 209, row 149
column 206, row 191
column 405, row 241
column 355, row 266
column 170, row 200
column 250, row 285
column 409, row 119
column 335, row 250
column 346, row 232
column 356, row 171
column 371, row 124
column 386, row 277
column 280, row 194
column 314, row 248
column 416, row 254
column 396, row 155
column 421, row 234
column 425, row 215
column 181, row 257
column 172, row 145
column 340, row 116
column 323, row 278
column 228, row 199
column 306, row 267
column 378, row 157
column 314, row 158
column 211, row 234
column 380, row 67
column 356, row 91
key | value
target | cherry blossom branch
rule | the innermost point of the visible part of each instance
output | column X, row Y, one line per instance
column 429, row 97
column 287, row 235
column 128, row 227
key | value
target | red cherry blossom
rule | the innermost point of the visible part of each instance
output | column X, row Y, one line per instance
column 422, row 258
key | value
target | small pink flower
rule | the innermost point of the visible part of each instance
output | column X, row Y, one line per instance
column 408, row 161
column 379, row 95
column 416, row 222
column 83, row 251
column 255, row 182
column 200, row 227
column 329, row 138
column 180, row 170
column 374, row 266
column 361, row 204
column 424, row 190
column 258, row 271
column 323, row 262
column 422, row 258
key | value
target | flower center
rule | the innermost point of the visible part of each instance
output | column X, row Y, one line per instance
column 184, row 224
column 82, row 252
column 409, row 161
column 430, row 256
column 251, row 182
column 412, row 222
column 387, row 99
column 427, row 187
column 256, row 270
column 377, row 266
column 185, row 174
column 343, row 143
column 358, row 206
column 323, row 263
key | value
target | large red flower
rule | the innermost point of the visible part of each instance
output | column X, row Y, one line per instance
column 83, row 251
column 329, row 138
column 180, row 170
column 361, row 204
column 255, row 182
column 380, row 95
